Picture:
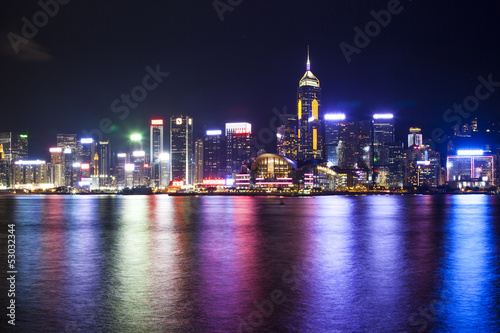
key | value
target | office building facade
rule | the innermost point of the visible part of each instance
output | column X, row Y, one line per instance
column 198, row 160
column 334, row 125
column 287, row 137
column 181, row 149
column 156, row 149
column 238, row 147
column 214, row 155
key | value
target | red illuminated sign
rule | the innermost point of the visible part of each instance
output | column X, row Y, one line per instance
column 85, row 166
column 146, row 165
column 178, row 183
column 157, row 122
column 214, row 182
column 241, row 132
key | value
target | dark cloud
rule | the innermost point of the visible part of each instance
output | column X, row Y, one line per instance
column 29, row 51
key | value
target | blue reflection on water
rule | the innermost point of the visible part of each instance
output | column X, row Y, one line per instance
column 470, row 271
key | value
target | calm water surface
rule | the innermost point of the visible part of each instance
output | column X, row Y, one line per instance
column 249, row 264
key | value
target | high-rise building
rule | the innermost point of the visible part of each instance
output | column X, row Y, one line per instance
column 397, row 155
column 238, row 146
column 383, row 128
column 138, row 158
column 14, row 146
column 85, row 156
column 4, row 171
column 119, row 170
column 334, row 124
column 422, row 167
column 214, row 155
column 354, row 149
column 85, row 150
column 470, row 168
column 198, row 159
column 68, row 160
column 104, row 163
column 287, row 137
column 309, row 132
column 68, row 143
column 57, row 167
column 9, row 147
column 415, row 137
column 181, row 149
column 383, row 137
column 30, row 172
column 156, row 149
column 164, row 169
column 474, row 125
column 22, row 149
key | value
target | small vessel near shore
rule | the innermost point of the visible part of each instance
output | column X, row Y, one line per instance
column 142, row 190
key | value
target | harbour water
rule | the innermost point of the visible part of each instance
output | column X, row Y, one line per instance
column 250, row 264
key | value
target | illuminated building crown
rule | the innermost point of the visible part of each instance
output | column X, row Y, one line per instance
column 309, row 79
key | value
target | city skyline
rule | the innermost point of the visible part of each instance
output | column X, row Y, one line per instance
column 413, row 70
column 308, row 119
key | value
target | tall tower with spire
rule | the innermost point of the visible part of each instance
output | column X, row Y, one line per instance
column 309, row 134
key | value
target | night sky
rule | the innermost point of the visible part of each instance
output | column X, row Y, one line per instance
column 64, row 79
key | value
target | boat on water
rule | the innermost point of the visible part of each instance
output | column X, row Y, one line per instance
column 141, row 190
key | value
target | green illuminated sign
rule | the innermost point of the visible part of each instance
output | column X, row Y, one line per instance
column 136, row 137
column 24, row 136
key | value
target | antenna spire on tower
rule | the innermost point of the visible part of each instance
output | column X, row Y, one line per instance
column 308, row 67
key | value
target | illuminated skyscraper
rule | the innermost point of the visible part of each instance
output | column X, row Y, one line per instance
column 85, row 150
column 181, row 149
column 397, row 156
column 383, row 137
column 415, row 137
column 68, row 143
column 214, row 155
column 104, row 163
column 239, row 146
column 334, row 124
column 354, row 145
column 198, row 160
column 119, row 170
column 310, row 143
column 57, row 166
column 138, row 159
column 14, row 146
column 85, row 156
column 164, row 169
column 22, row 148
column 30, row 172
column 287, row 137
column 474, row 125
column 156, row 149
column 470, row 168
column 422, row 167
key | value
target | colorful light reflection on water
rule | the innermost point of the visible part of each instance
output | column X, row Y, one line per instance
column 208, row 264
